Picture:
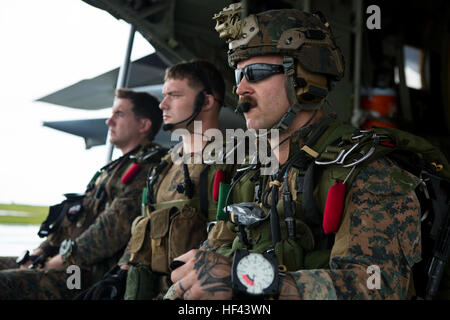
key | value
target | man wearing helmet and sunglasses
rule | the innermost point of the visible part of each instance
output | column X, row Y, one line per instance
column 339, row 225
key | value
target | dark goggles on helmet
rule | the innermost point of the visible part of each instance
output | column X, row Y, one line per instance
column 257, row 72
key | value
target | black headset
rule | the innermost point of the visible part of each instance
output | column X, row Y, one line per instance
column 199, row 101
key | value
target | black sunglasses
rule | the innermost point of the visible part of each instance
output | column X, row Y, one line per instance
column 257, row 72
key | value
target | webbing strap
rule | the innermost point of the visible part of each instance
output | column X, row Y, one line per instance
column 152, row 179
column 309, row 209
column 203, row 190
column 180, row 203
column 290, row 84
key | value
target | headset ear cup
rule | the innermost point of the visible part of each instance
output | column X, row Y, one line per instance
column 199, row 102
column 312, row 88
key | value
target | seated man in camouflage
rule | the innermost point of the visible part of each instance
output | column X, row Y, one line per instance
column 93, row 234
column 338, row 210
column 180, row 200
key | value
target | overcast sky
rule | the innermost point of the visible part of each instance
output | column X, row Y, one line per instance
column 47, row 45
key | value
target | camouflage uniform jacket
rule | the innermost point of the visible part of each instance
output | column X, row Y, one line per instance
column 380, row 228
column 103, row 228
column 379, row 231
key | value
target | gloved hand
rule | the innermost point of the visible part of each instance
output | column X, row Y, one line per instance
column 111, row 287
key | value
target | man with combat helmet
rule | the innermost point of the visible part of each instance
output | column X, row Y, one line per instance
column 336, row 209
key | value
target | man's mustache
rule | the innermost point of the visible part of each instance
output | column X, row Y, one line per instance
column 247, row 99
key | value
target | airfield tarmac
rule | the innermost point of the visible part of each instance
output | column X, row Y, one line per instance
column 16, row 238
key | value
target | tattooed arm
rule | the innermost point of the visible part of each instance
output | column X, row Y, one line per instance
column 207, row 276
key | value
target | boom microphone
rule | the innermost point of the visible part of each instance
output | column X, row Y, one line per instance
column 243, row 107
column 198, row 104
column 170, row 126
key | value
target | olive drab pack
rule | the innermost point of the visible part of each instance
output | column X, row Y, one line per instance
column 333, row 156
column 167, row 229
column 419, row 157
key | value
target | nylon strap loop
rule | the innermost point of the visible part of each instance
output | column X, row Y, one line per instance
column 310, row 151
column 290, row 84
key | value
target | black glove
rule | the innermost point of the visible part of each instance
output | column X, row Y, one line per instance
column 25, row 257
column 112, row 287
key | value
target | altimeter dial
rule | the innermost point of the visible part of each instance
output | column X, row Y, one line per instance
column 255, row 272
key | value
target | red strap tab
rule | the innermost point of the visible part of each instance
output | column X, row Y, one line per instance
column 218, row 178
column 333, row 207
column 387, row 144
column 131, row 172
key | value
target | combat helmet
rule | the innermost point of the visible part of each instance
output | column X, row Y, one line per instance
column 311, row 58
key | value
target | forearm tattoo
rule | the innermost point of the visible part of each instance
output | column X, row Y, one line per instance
column 207, row 245
column 214, row 272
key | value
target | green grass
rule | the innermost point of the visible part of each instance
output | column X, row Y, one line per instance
column 37, row 214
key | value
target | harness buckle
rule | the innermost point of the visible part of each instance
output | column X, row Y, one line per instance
column 362, row 156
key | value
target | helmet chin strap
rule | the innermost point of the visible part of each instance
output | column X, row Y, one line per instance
column 295, row 106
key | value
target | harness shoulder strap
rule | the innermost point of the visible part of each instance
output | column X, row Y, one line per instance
column 153, row 177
